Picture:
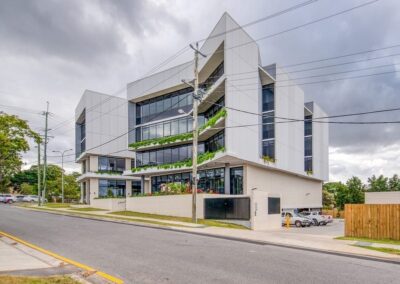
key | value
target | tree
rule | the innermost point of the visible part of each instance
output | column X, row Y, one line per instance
column 328, row 199
column 394, row 183
column 14, row 133
column 355, row 190
column 27, row 189
column 378, row 184
column 339, row 191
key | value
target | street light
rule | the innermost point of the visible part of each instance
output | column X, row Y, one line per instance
column 62, row 171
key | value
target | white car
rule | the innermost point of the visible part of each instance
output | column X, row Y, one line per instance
column 30, row 198
column 1, row 197
column 295, row 219
column 8, row 198
column 315, row 216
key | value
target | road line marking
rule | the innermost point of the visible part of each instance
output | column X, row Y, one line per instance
column 67, row 260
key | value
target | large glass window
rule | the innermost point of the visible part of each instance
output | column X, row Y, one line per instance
column 164, row 106
column 308, row 165
column 236, row 177
column 268, row 101
column 268, row 125
column 268, row 148
column 111, row 188
column 308, row 146
column 136, row 187
column 308, row 125
column 214, row 76
column 111, row 164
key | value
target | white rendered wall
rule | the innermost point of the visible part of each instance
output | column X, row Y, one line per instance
column 243, row 91
column 320, row 145
column 295, row 191
column 106, row 119
column 289, row 136
column 391, row 197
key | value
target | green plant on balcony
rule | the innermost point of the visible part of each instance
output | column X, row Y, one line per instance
column 179, row 137
column 268, row 159
column 309, row 173
column 186, row 163
column 213, row 120
column 162, row 140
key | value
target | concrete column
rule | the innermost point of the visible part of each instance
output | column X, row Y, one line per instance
column 81, row 199
column 128, row 190
column 227, row 179
column 142, row 184
column 127, row 164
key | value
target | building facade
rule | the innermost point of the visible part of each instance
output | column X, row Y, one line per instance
column 256, row 131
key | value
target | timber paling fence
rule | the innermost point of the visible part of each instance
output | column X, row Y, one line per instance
column 375, row 221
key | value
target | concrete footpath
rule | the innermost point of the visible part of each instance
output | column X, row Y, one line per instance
column 320, row 239
column 17, row 259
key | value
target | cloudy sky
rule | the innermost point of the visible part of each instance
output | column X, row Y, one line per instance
column 54, row 50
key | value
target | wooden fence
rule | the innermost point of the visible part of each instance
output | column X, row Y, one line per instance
column 335, row 213
column 375, row 221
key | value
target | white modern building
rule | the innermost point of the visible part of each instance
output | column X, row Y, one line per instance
column 257, row 132
column 100, row 118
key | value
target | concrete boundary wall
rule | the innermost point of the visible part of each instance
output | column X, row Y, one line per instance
column 389, row 197
column 112, row 204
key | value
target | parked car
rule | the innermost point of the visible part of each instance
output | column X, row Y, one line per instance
column 315, row 217
column 19, row 198
column 8, row 198
column 295, row 219
column 1, row 197
column 30, row 198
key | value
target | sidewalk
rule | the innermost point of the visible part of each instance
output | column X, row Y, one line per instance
column 17, row 259
column 282, row 237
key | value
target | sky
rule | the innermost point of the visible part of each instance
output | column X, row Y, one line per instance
column 54, row 50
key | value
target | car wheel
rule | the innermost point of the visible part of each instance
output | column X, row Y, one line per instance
column 297, row 224
column 316, row 223
column 324, row 224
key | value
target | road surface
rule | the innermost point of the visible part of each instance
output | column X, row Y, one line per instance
column 148, row 255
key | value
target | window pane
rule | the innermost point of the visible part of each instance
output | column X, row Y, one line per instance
column 174, row 102
column 308, row 164
column 167, row 128
column 146, row 133
column 182, row 100
column 167, row 156
column 174, row 127
column 183, row 125
column 190, row 124
column 183, row 154
column 152, row 132
column 308, row 125
column 308, row 146
column 145, row 110
column 269, row 148
column 167, row 104
column 120, row 164
column 159, row 106
column 152, row 108
column 160, row 130
column 268, row 97
column 174, row 155
column 160, row 157
column 145, row 158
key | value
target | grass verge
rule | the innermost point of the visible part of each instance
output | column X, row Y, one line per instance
column 86, row 209
column 385, row 250
column 379, row 241
column 133, row 220
column 180, row 219
column 57, row 205
column 36, row 280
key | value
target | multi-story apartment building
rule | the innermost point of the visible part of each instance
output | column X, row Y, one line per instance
column 256, row 131
column 100, row 118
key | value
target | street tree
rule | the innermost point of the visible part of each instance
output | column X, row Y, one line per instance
column 14, row 135
column 378, row 183
column 394, row 183
column 355, row 190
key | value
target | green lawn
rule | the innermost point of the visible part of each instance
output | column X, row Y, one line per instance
column 5, row 279
column 179, row 219
column 87, row 209
column 57, row 205
column 379, row 241
column 385, row 250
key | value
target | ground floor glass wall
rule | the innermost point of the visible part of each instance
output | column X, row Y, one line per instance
column 111, row 188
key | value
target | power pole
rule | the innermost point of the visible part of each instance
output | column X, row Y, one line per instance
column 195, row 130
column 45, row 150
column 62, row 172
column 38, row 173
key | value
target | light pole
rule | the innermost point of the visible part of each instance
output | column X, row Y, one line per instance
column 62, row 172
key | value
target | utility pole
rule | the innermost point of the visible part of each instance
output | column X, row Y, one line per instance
column 45, row 150
column 196, row 98
column 62, row 172
column 38, row 173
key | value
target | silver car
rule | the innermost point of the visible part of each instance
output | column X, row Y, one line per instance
column 295, row 219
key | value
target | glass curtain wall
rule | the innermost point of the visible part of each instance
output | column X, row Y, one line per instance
column 111, row 164
column 112, row 188
column 268, row 120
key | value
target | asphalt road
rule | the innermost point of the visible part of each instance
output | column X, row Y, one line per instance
column 147, row 255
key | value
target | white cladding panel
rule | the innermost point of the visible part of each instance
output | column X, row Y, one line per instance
column 320, row 145
column 243, row 91
column 289, row 136
column 106, row 119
